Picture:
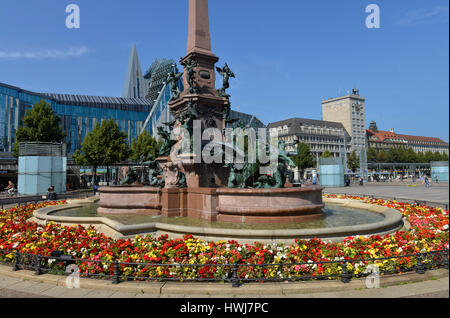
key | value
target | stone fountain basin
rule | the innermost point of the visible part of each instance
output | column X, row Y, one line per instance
column 256, row 206
column 391, row 223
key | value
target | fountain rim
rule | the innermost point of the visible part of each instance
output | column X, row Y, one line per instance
column 392, row 222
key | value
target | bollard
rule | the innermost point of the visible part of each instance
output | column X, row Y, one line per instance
column 38, row 265
column 234, row 278
column 345, row 275
column 420, row 269
column 116, row 273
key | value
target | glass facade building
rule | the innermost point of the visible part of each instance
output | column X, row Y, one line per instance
column 78, row 114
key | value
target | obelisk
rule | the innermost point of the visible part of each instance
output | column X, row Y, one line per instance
column 202, row 89
column 200, row 93
column 199, row 38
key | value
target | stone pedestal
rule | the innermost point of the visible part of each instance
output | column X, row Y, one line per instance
column 171, row 171
column 173, row 201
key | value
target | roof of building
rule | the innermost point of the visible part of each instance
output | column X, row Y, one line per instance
column 248, row 119
column 295, row 123
column 92, row 101
column 393, row 137
column 68, row 99
column 421, row 138
column 382, row 136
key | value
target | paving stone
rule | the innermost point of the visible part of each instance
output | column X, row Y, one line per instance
column 31, row 287
column 75, row 293
column 122, row 295
column 8, row 281
column 56, row 291
column 98, row 293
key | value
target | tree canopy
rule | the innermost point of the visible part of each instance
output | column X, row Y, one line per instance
column 402, row 155
column 144, row 146
column 39, row 124
column 103, row 146
column 304, row 158
column 353, row 161
column 326, row 154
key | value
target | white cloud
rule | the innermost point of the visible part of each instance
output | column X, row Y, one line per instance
column 44, row 54
column 419, row 16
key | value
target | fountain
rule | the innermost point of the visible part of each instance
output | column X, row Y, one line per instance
column 210, row 191
column 186, row 194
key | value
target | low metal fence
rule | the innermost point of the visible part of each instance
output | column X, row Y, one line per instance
column 230, row 273
column 25, row 200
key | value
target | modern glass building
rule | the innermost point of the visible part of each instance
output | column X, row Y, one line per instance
column 78, row 114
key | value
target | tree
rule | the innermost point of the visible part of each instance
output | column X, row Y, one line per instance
column 394, row 155
column 411, row 156
column 372, row 154
column 39, row 124
column 326, row 154
column 437, row 156
column 382, row 156
column 144, row 146
column 420, row 157
column 429, row 156
column 304, row 158
column 103, row 146
column 353, row 161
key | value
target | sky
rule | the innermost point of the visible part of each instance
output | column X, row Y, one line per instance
column 288, row 55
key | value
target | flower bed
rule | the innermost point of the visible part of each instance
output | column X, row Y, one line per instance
column 429, row 232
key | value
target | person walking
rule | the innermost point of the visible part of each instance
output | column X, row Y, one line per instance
column 427, row 183
column 437, row 179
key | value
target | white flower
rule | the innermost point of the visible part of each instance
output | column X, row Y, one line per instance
column 445, row 227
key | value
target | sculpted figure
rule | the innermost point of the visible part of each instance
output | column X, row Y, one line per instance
column 131, row 177
column 167, row 142
column 155, row 173
column 226, row 73
column 172, row 80
column 189, row 66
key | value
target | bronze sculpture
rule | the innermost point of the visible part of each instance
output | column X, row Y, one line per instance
column 172, row 80
column 226, row 74
column 190, row 66
column 167, row 142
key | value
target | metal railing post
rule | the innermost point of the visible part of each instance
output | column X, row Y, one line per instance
column 16, row 262
column 420, row 269
column 345, row 275
column 234, row 277
column 446, row 259
column 116, row 279
column 38, row 265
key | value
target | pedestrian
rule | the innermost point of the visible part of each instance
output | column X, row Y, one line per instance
column 427, row 183
column 95, row 187
column 10, row 188
column 437, row 179
column 51, row 194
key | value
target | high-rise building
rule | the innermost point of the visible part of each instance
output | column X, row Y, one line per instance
column 156, row 77
column 350, row 111
column 135, row 84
